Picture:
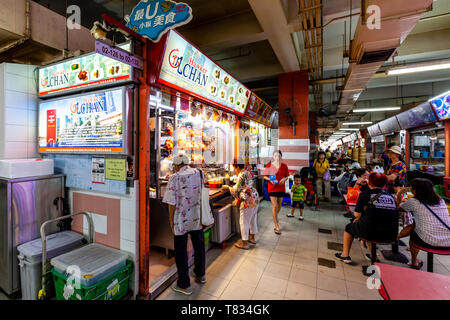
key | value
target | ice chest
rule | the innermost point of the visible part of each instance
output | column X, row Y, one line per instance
column 24, row 168
column 30, row 259
column 95, row 262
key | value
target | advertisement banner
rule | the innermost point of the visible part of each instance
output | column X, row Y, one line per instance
column 389, row 125
column 417, row 117
column 92, row 70
column 91, row 123
column 441, row 105
column 186, row 69
column 259, row 111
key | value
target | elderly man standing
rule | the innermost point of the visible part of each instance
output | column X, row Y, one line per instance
column 183, row 195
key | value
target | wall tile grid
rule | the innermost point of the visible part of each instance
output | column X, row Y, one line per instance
column 18, row 111
column 119, row 213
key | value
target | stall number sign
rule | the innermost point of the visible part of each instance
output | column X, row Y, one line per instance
column 152, row 19
column 116, row 169
column 118, row 54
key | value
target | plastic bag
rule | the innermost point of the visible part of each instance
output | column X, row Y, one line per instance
column 378, row 169
column 353, row 194
column 326, row 176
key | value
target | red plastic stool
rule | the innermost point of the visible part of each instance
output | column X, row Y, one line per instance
column 430, row 255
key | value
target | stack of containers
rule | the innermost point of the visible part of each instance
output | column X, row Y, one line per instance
column 355, row 154
column 30, row 259
column 362, row 157
column 94, row 272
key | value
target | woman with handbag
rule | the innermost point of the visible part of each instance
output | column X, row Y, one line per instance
column 431, row 228
column 247, row 199
column 322, row 167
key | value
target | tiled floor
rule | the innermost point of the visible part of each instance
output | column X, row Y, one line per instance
column 286, row 267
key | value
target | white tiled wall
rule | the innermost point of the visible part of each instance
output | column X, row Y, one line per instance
column 129, row 225
column 18, row 111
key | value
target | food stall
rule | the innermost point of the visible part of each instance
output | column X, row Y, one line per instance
column 86, row 112
column 196, row 109
column 423, row 143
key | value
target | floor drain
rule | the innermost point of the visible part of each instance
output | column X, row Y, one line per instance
column 335, row 246
column 326, row 263
column 324, row 231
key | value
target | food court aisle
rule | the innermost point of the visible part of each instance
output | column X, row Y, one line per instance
column 286, row 266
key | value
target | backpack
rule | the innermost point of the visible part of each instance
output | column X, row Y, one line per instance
column 346, row 181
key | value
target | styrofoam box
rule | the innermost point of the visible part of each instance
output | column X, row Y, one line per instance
column 95, row 262
column 24, row 168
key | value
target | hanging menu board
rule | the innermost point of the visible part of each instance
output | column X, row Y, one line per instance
column 389, row 125
column 90, row 123
column 374, row 130
column 441, row 105
column 187, row 69
column 417, row 117
column 259, row 111
column 91, row 70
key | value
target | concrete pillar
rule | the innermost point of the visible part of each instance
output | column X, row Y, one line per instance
column 313, row 136
column 293, row 94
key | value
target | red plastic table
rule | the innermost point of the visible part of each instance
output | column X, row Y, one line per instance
column 400, row 283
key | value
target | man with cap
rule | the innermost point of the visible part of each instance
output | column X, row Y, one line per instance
column 183, row 195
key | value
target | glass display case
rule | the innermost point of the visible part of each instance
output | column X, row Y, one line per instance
column 204, row 134
column 427, row 151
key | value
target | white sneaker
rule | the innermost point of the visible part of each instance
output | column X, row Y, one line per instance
column 300, row 218
column 187, row 291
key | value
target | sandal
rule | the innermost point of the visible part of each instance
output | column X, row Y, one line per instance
column 416, row 267
column 276, row 231
column 290, row 215
column 252, row 241
column 240, row 246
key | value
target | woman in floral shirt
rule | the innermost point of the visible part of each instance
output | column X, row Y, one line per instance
column 397, row 170
column 247, row 199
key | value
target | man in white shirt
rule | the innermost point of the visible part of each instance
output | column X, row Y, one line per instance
column 183, row 195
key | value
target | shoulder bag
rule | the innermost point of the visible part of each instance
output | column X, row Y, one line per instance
column 437, row 217
column 206, row 216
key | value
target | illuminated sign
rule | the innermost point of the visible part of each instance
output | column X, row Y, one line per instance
column 441, row 105
column 389, row 125
column 152, row 19
column 374, row 130
column 90, row 123
column 417, row 117
column 259, row 111
column 92, row 70
column 186, row 69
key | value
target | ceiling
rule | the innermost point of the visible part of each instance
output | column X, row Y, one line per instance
column 256, row 40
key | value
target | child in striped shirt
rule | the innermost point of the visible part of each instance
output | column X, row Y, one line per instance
column 299, row 193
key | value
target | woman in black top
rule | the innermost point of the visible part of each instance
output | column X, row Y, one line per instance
column 376, row 217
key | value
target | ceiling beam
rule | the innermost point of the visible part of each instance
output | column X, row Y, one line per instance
column 272, row 18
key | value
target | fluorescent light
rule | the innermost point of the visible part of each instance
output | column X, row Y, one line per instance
column 356, row 123
column 420, row 67
column 349, row 129
column 377, row 109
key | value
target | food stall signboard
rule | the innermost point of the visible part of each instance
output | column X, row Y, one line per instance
column 91, row 70
column 389, row 125
column 90, row 123
column 259, row 111
column 417, row 117
column 374, row 130
column 441, row 105
column 118, row 54
column 152, row 19
column 186, row 69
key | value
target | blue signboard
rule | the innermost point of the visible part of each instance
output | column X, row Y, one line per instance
column 441, row 105
column 153, row 18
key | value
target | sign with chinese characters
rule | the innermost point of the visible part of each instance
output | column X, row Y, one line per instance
column 118, row 54
column 417, row 117
column 441, row 105
column 91, row 70
column 187, row 69
column 90, row 123
column 259, row 111
column 152, row 19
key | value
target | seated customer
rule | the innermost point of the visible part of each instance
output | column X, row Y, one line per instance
column 431, row 219
column 362, row 179
column 376, row 217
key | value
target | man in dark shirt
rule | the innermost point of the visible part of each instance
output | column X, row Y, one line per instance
column 376, row 217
